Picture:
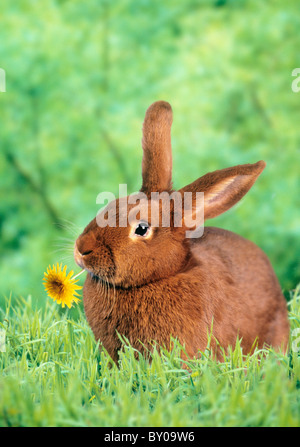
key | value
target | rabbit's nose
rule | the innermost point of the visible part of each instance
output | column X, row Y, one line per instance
column 78, row 256
column 85, row 245
column 80, row 251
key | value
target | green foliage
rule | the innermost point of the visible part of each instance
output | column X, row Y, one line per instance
column 79, row 76
column 52, row 374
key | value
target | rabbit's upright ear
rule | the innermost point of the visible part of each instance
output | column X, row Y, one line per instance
column 157, row 158
column 224, row 188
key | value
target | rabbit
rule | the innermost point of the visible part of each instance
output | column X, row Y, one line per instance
column 153, row 284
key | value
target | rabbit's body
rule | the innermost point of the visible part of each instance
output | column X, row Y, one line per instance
column 151, row 282
column 210, row 287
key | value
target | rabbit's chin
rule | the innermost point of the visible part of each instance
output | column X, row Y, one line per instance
column 97, row 276
column 90, row 271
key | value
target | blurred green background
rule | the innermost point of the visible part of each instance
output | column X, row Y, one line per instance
column 79, row 77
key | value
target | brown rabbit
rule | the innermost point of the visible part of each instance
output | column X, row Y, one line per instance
column 149, row 283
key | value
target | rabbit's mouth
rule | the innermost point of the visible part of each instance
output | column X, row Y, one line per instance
column 78, row 258
column 88, row 261
column 95, row 276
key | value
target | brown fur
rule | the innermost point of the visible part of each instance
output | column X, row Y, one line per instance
column 151, row 288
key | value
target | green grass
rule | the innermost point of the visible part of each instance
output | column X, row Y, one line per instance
column 53, row 374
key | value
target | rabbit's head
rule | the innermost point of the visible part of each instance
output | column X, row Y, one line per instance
column 143, row 237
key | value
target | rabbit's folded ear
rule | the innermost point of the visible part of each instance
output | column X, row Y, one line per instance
column 157, row 158
column 224, row 188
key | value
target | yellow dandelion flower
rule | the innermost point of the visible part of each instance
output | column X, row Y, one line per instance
column 60, row 286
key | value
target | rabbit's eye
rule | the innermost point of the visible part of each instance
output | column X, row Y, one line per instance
column 142, row 229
